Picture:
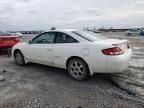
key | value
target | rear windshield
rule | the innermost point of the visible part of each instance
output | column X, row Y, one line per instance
column 5, row 34
column 90, row 36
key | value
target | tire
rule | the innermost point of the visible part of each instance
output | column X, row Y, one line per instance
column 78, row 69
column 19, row 58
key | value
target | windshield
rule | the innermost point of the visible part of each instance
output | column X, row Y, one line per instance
column 90, row 36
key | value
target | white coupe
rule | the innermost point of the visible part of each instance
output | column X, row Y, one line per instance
column 82, row 53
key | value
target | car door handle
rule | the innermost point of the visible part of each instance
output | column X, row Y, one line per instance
column 48, row 49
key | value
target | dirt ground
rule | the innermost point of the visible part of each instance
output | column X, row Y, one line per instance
column 132, row 80
column 39, row 86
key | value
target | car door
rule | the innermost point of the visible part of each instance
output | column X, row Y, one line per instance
column 40, row 49
column 63, row 47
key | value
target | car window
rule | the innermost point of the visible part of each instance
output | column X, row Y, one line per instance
column 44, row 38
column 133, row 30
column 90, row 36
column 64, row 38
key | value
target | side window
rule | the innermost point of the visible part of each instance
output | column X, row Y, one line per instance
column 64, row 38
column 45, row 38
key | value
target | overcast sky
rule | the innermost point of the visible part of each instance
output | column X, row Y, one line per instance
column 43, row 14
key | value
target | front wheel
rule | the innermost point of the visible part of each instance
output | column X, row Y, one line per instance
column 78, row 69
column 19, row 58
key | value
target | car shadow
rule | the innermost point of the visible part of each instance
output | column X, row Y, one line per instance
column 61, row 76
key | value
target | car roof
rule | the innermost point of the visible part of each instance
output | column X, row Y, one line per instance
column 62, row 30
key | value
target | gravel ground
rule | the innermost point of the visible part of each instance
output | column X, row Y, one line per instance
column 39, row 86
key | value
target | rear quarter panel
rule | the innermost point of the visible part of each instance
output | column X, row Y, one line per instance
column 96, row 59
column 89, row 52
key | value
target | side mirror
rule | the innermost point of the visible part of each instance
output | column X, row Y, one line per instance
column 30, row 41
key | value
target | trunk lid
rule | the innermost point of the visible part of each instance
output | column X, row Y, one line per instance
column 122, row 44
column 114, row 41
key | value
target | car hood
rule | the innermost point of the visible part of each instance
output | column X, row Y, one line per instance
column 20, row 44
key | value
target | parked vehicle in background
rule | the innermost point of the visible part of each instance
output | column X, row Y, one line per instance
column 18, row 34
column 133, row 32
column 7, row 40
column 82, row 53
column 141, row 32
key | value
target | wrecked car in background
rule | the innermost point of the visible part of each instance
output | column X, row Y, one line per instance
column 7, row 40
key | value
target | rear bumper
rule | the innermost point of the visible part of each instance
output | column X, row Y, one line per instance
column 119, row 63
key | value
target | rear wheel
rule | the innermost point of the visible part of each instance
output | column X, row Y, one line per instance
column 19, row 58
column 78, row 69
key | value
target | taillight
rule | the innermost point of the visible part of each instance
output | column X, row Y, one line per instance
column 112, row 51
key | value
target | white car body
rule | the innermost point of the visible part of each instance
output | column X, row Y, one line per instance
column 57, row 54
